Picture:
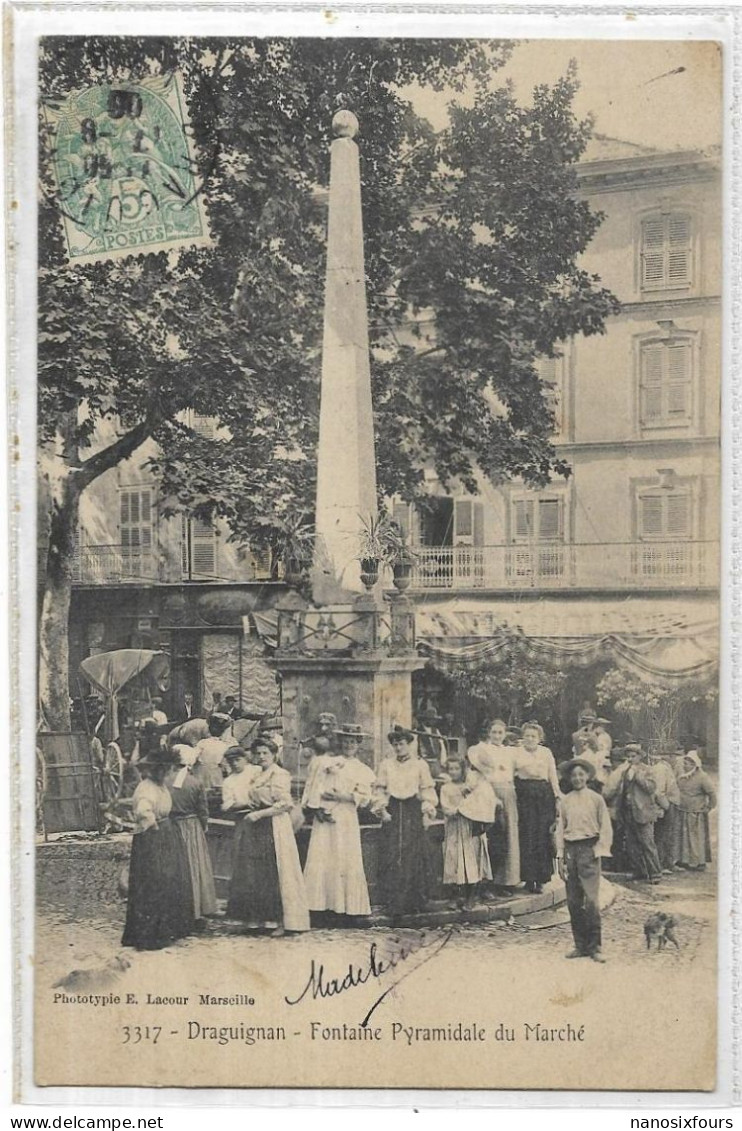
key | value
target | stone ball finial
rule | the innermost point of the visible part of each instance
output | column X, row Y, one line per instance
column 345, row 124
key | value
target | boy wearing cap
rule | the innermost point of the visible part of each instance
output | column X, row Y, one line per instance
column 584, row 836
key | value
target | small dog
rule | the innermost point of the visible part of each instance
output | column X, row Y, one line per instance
column 100, row 978
column 661, row 927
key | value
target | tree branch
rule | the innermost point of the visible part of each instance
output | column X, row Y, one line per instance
column 111, row 456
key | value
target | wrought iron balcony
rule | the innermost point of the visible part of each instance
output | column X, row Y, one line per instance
column 113, row 565
column 122, row 565
column 562, row 565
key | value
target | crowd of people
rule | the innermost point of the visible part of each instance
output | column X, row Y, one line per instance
column 511, row 817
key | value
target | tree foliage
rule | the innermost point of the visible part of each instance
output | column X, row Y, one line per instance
column 654, row 713
column 474, row 231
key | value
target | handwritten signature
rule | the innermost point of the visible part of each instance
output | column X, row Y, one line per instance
column 397, row 950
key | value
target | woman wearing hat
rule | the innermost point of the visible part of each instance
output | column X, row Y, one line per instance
column 338, row 784
column 538, row 795
column 405, row 799
column 267, row 887
column 160, row 900
column 697, row 799
column 190, row 813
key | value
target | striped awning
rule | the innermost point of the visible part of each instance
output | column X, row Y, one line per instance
column 665, row 641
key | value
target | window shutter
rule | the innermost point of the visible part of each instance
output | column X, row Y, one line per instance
column 549, row 519
column 463, row 519
column 651, row 377
column 135, row 525
column 678, row 515
column 522, row 518
column 204, row 426
column 547, row 370
column 650, row 516
column 184, row 548
column 666, row 250
column 679, row 249
column 653, row 259
column 679, row 377
column 478, row 509
column 203, row 548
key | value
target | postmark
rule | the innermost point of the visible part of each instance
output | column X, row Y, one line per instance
column 125, row 171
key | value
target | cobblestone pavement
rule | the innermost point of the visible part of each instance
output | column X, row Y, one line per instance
column 64, row 944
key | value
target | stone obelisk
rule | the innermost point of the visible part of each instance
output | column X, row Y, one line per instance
column 348, row 652
column 346, row 467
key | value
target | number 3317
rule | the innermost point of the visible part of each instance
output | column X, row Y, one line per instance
column 134, row 1034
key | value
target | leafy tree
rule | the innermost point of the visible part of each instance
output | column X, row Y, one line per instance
column 475, row 230
column 653, row 712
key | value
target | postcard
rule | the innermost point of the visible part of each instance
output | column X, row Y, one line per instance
column 376, row 382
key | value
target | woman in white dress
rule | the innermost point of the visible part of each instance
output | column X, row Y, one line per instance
column 338, row 785
column 496, row 763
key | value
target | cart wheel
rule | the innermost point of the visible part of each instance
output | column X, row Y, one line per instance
column 111, row 773
column 42, row 782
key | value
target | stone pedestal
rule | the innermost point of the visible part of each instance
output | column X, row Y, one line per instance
column 355, row 660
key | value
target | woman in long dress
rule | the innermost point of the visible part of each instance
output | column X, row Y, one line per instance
column 406, row 800
column 338, row 784
column 267, row 887
column 190, row 814
column 537, row 791
column 496, row 762
column 697, row 799
column 160, row 899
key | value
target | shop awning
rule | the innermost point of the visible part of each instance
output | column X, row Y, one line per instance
column 665, row 641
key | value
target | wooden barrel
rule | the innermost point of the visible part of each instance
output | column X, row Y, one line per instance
column 70, row 802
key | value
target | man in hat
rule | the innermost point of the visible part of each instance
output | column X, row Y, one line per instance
column 431, row 744
column 584, row 836
column 585, row 730
column 272, row 727
column 631, row 791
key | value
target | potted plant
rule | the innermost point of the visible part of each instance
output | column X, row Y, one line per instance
column 373, row 546
column 293, row 545
column 384, row 543
column 402, row 562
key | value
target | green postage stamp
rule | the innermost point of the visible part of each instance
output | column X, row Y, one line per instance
column 125, row 171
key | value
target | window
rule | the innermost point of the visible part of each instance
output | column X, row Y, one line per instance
column 537, row 531
column 135, row 525
column 665, row 515
column 666, row 376
column 666, row 251
column 538, row 520
column 468, row 525
column 550, row 371
column 198, row 549
column 665, row 551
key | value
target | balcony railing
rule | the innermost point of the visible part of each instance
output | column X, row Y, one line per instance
column 110, row 565
column 556, row 565
column 116, row 565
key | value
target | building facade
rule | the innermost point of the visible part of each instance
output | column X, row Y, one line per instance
column 629, row 542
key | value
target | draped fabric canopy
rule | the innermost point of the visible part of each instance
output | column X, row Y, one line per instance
column 671, row 643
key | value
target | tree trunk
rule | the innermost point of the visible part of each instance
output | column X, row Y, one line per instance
column 54, row 699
